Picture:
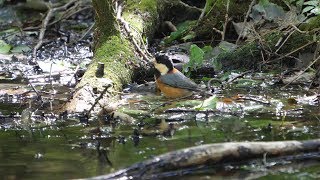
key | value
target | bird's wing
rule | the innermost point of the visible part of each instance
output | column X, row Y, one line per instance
column 178, row 80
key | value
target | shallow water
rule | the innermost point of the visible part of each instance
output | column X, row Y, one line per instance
column 64, row 149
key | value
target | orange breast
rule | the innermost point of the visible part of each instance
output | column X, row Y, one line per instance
column 172, row 92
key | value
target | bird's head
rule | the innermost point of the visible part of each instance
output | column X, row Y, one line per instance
column 163, row 64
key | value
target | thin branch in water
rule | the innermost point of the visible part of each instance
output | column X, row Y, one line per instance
column 98, row 98
column 238, row 76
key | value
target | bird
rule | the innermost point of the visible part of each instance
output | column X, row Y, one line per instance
column 171, row 82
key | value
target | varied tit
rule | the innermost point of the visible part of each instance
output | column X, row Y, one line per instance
column 171, row 82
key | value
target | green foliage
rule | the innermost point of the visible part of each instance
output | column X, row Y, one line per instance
column 312, row 6
column 267, row 10
column 208, row 6
column 199, row 55
column 21, row 49
column 196, row 59
column 183, row 32
column 196, row 55
column 189, row 36
column 208, row 104
column 4, row 47
column 309, row 7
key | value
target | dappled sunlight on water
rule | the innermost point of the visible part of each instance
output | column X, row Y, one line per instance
column 38, row 144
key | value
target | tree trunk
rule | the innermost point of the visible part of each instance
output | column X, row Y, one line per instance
column 115, row 49
column 212, row 154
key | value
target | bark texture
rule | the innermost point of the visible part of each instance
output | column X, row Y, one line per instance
column 212, row 154
column 115, row 49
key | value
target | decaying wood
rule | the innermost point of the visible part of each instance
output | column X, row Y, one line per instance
column 213, row 154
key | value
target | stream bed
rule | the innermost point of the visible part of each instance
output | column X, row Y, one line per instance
column 60, row 146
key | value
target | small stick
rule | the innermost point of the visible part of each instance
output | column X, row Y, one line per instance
column 245, row 20
column 302, row 72
column 45, row 23
column 283, row 42
column 50, row 75
column 238, row 76
column 226, row 20
column 288, row 54
column 127, row 29
column 100, row 97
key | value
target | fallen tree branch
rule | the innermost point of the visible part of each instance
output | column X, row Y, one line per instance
column 212, row 154
column 45, row 23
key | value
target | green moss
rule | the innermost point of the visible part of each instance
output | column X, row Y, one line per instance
column 312, row 23
column 249, row 55
column 245, row 57
column 146, row 9
column 114, row 53
column 143, row 5
column 296, row 40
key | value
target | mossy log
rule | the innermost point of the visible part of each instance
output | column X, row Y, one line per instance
column 260, row 53
column 118, row 53
column 115, row 50
column 212, row 154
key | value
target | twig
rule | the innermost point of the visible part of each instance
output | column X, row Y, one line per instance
column 224, row 26
column 226, row 20
column 262, row 56
column 213, row 80
column 74, row 74
column 42, row 31
column 288, row 54
column 297, row 29
column 204, row 11
column 58, row 74
column 98, row 98
column 238, row 76
column 68, row 14
column 50, row 79
column 34, row 89
column 86, row 33
column 217, row 30
column 245, row 20
column 45, row 23
column 126, row 27
column 287, row 4
column 254, row 100
column 189, row 7
column 302, row 72
column 143, row 44
column 283, row 42
column 60, row 19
